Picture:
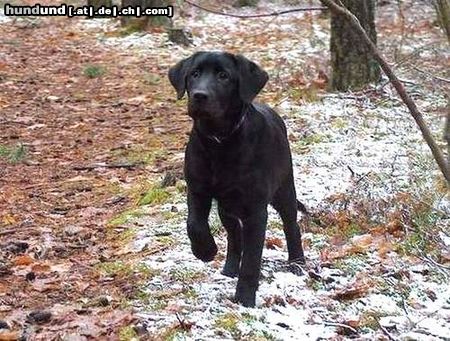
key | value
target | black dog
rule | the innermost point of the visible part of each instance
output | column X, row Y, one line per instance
column 238, row 153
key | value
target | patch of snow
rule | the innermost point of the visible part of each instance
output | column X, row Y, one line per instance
column 3, row 17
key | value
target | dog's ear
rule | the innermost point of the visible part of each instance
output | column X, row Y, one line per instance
column 178, row 74
column 251, row 78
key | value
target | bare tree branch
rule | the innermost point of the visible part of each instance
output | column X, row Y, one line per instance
column 241, row 16
column 442, row 79
column 398, row 85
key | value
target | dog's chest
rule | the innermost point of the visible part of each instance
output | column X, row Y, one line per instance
column 229, row 170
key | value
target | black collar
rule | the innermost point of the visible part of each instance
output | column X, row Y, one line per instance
column 238, row 125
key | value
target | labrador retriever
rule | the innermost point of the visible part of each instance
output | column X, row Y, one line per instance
column 238, row 153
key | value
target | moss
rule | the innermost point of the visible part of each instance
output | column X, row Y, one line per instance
column 214, row 223
column 419, row 238
column 13, row 154
column 369, row 319
column 145, row 154
column 308, row 94
column 304, row 143
column 186, row 275
column 248, row 318
column 94, row 71
column 115, row 268
column 124, row 217
column 146, row 271
column 181, row 186
column 127, row 235
column 154, row 195
column 228, row 322
column 166, row 240
column 339, row 123
column 127, row 333
column 351, row 230
column 151, row 79
column 122, row 269
column 190, row 293
column 168, row 215
column 275, row 225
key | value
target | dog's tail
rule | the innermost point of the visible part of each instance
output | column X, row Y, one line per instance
column 301, row 207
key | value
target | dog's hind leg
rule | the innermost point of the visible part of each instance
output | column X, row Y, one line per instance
column 286, row 204
column 233, row 225
column 253, row 233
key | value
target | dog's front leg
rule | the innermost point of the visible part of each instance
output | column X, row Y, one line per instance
column 254, row 230
column 202, row 242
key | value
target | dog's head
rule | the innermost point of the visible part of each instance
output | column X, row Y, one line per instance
column 217, row 83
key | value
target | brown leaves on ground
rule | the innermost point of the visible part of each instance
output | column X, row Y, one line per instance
column 53, row 216
column 357, row 289
column 274, row 242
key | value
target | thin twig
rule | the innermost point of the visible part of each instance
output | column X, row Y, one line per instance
column 385, row 331
column 14, row 122
column 5, row 232
column 442, row 79
column 432, row 261
column 342, row 325
column 413, row 54
column 241, row 16
column 105, row 165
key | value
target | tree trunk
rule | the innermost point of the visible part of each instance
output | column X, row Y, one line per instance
column 443, row 14
column 144, row 22
column 243, row 3
column 99, row 3
column 352, row 62
column 447, row 133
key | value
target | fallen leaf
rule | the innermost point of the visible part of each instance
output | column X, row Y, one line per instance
column 9, row 335
column 38, row 267
column 363, row 241
column 444, row 257
column 44, row 285
column 8, row 219
column 23, row 260
column 354, row 291
column 353, row 322
column 274, row 242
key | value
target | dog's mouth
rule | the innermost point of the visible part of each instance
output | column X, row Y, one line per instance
column 203, row 111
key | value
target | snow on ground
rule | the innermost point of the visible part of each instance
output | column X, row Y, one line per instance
column 3, row 17
column 413, row 306
column 343, row 136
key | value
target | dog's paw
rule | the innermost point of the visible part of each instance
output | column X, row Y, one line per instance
column 202, row 243
column 231, row 267
column 230, row 271
column 245, row 295
column 204, row 252
column 296, row 266
column 298, row 260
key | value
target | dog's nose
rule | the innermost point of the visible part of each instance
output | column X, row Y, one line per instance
column 200, row 95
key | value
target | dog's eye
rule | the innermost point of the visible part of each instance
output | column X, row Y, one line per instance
column 195, row 73
column 222, row 75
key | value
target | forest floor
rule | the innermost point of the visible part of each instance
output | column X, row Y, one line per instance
column 92, row 200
